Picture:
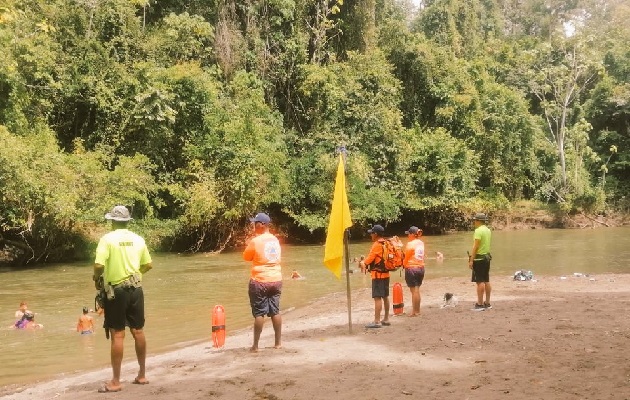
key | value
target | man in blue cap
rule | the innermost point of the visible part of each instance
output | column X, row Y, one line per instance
column 414, row 267
column 265, row 283
column 380, row 277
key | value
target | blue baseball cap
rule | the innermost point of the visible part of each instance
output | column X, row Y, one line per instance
column 376, row 229
column 262, row 218
column 414, row 230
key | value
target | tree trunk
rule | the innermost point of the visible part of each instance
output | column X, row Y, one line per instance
column 366, row 10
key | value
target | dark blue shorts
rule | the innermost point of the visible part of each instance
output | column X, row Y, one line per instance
column 414, row 276
column 481, row 271
column 380, row 287
column 264, row 298
column 125, row 309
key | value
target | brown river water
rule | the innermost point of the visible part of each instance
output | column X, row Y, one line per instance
column 181, row 291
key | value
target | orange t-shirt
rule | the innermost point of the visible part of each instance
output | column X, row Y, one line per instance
column 264, row 253
column 375, row 256
column 414, row 254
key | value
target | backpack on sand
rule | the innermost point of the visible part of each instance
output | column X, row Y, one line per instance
column 393, row 255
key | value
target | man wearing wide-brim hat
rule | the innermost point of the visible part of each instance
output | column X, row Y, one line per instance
column 122, row 258
column 479, row 262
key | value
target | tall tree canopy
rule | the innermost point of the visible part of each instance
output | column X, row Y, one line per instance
column 198, row 113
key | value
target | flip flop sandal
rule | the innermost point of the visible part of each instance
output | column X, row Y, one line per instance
column 106, row 389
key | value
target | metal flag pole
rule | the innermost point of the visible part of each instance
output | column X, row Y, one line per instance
column 342, row 150
column 349, row 292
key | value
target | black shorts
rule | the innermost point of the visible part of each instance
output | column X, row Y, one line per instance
column 481, row 271
column 380, row 287
column 264, row 298
column 125, row 309
column 414, row 276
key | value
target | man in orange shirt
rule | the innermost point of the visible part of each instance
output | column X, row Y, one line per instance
column 265, row 283
column 380, row 277
column 414, row 267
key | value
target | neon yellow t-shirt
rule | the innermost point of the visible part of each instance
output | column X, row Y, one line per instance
column 483, row 234
column 122, row 252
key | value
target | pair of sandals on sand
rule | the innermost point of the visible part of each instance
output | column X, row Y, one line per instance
column 375, row 325
column 107, row 389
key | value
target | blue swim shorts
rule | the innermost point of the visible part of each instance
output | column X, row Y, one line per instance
column 414, row 276
column 264, row 298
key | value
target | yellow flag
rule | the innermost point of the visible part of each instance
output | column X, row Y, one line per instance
column 339, row 221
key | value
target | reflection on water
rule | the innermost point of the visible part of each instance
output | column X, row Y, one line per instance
column 182, row 290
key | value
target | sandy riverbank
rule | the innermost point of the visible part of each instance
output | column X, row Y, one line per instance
column 550, row 339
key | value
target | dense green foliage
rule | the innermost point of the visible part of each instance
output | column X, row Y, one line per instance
column 199, row 113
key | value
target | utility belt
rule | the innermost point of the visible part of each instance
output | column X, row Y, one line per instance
column 483, row 257
column 131, row 282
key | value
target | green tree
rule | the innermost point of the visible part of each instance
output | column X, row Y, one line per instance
column 463, row 27
column 441, row 171
column 508, row 144
column 50, row 199
column 239, row 160
column 608, row 111
column 180, row 38
column 559, row 75
column 352, row 104
column 608, row 107
column 29, row 68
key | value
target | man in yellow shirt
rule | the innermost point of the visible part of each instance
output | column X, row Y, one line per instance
column 479, row 262
column 122, row 258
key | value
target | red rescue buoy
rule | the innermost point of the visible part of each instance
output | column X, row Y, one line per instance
column 398, row 299
column 218, row 326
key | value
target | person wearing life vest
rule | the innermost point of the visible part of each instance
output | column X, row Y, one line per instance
column 413, row 263
column 479, row 262
column 265, row 283
column 380, row 280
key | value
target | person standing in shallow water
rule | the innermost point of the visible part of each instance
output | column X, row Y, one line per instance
column 479, row 262
column 122, row 258
column 85, row 325
column 265, row 283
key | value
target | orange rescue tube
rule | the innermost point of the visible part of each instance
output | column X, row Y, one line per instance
column 398, row 299
column 218, row 326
